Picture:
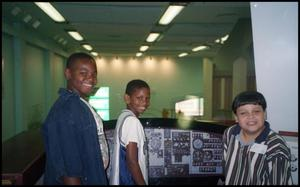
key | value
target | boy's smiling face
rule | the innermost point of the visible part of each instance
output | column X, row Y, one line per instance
column 82, row 76
column 251, row 118
column 138, row 101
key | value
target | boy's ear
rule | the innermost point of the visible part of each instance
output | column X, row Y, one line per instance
column 67, row 74
column 127, row 98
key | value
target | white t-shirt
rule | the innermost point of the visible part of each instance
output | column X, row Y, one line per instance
column 101, row 135
column 131, row 131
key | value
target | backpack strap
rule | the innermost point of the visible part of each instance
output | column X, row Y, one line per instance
column 121, row 126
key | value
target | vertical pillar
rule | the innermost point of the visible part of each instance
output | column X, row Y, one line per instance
column 222, row 95
column 239, row 76
column 208, row 88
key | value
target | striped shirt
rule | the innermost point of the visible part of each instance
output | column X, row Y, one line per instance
column 265, row 161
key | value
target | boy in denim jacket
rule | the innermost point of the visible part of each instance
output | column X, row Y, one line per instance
column 75, row 145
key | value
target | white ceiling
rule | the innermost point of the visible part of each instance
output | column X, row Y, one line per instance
column 120, row 28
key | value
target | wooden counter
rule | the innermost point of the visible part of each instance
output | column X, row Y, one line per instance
column 23, row 158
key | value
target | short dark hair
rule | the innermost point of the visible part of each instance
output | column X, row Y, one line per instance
column 76, row 56
column 249, row 97
column 135, row 84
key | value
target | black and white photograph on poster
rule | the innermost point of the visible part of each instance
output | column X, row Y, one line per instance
column 181, row 143
column 155, row 138
column 180, row 153
column 206, row 153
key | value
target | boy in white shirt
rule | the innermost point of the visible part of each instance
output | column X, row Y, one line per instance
column 130, row 156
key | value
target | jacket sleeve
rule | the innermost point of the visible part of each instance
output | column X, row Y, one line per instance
column 63, row 142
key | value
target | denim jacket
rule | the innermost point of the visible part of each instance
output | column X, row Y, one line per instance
column 71, row 142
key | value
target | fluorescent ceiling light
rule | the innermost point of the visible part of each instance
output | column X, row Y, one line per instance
column 144, row 47
column 75, row 35
column 87, row 47
column 182, row 54
column 60, row 40
column 170, row 14
column 152, row 37
column 50, row 11
column 16, row 11
column 202, row 47
column 27, row 18
column 65, row 42
column 94, row 53
column 138, row 54
column 36, row 24
column 224, row 38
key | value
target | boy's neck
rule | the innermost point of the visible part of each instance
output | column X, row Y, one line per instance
column 136, row 114
column 246, row 137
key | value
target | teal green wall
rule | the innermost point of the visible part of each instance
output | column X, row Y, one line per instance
column 8, row 101
column 33, row 86
column 170, row 80
column 32, row 72
column 57, row 76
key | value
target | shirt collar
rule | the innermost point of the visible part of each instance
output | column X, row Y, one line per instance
column 129, row 111
column 261, row 137
column 66, row 92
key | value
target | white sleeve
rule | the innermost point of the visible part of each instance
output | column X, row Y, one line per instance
column 131, row 131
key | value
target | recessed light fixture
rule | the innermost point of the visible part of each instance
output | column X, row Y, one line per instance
column 87, row 47
column 60, row 40
column 182, row 54
column 27, row 18
column 94, row 53
column 202, row 47
column 50, row 11
column 64, row 42
column 224, row 38
column 144, row 47
column 75, row 35
column 138, row 54
column 16, row 11
column 152, row 37
column 36, row 24
column 170, row 14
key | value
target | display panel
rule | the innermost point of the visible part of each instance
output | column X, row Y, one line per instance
column 180, row 153
column 177, row 155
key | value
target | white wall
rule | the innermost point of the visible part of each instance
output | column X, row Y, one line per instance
column 275, row 39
